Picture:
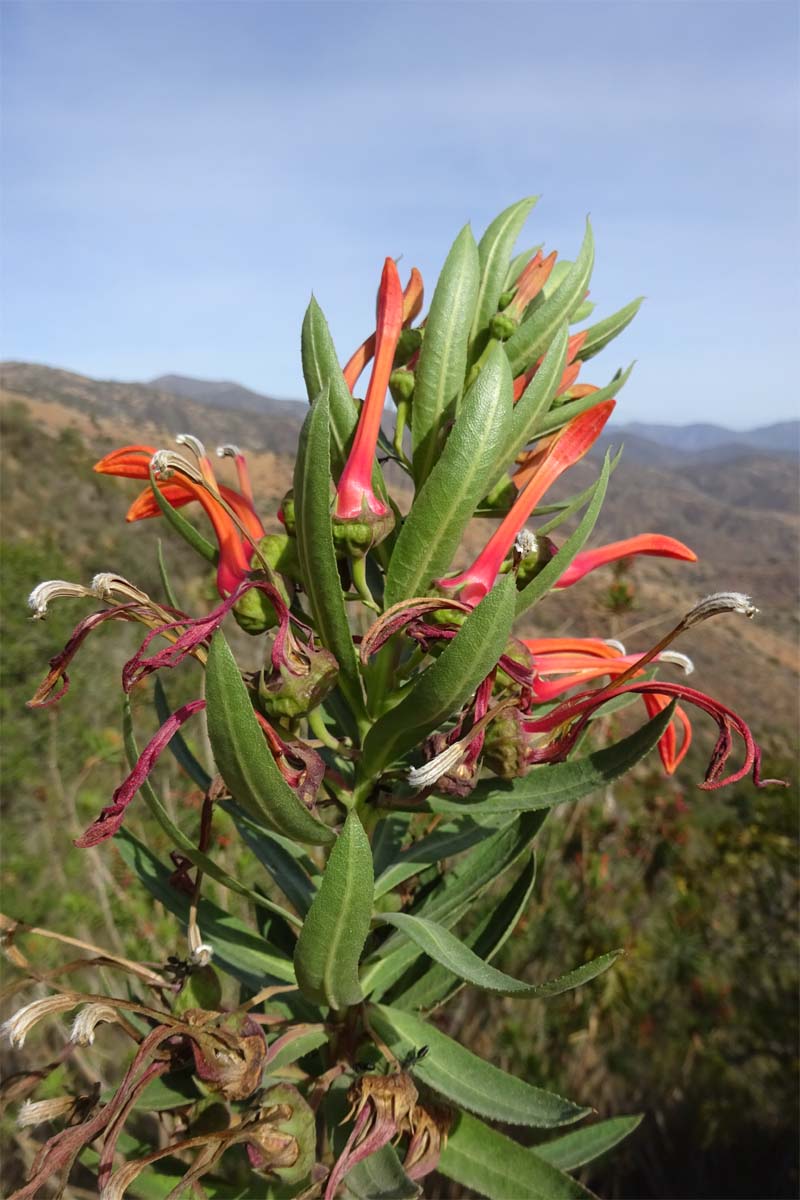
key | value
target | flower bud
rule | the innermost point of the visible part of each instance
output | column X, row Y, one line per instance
column 254, row 611
column 280, row 552
column 408, row 345
column 401, row 385
column 534, row 562
column 202, row 989
column 283, row 1139
column 284, row 693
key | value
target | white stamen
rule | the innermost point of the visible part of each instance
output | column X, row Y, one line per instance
column 525, row 543
column 202, row 955
column 194, row 444
column 165, row 462
column 229, row 451
column 18, row 1026
column 87, row 1020
column 719, row 602
column 426, row 775
column 160, row 464
column 615, row 645
column 52, row 589
column 679, row 660
column 36, row 1112
column 106, row 585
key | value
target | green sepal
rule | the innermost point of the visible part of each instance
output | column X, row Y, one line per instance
column 336, row 926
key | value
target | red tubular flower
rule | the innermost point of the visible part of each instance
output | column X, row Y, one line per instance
column 354, row 494
column 531, row 281
column 656, row 544
column 563, row 451
column 672, row 754
column 412, row 306
column 235, row 551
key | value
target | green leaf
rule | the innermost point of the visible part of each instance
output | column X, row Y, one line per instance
column 282, row 866
column 494, row 252
column 436, row 985
column 164, row 576
column 537, row 397
column 453, row 895
column 561, row 413
column 443, row 843
column 243, row 757
column 488, row 1162
column 443, row 358
column 585, row 1145
column 380, row 1177
column 237, row 948
column 183, row 527
column 445, row 948
column 335, row 930
column 574, row 505
column 605, row 331
column 560, row 783
column 179, row 839
column 535, row 333
column 173, row 1090
column 540, row 585
column 443, row 508
column 305, row 1038
column 177, row 745
column 312, row 498
column 460, row 1076
column 445, row 685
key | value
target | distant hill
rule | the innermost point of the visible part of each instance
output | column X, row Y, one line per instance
column 221, row 393
column 674, row 444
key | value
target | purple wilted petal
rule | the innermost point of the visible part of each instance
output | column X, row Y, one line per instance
column 110, row 819
column 197, row 631
column 378, row 1137
column 43, row 696
column 402, row 616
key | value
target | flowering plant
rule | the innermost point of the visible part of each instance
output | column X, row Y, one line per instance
column 391, row 757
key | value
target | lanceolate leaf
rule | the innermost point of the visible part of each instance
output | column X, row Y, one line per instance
column 337, row 924
column 490, row 1163
column 605, row 331
column 538, row 395
column 237, row 948
column 445, row 948
column 446, row 684
column 443, row 359
column 380, row 1176
column 443, row 508
column 243, row 757
column 533, row 336
column 460, row 1076
column 437, row 985
column 585, row 1145
column 299, row 1041
column 449, row 900
column 282, row 866
column 312, row 497
column 179, row 839
column 541, row 583
column 558, row 416
column 494, row 252
column 443, row 843
column 547, row 786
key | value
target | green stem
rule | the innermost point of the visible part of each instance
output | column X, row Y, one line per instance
column 358, row 570
column 317, row 726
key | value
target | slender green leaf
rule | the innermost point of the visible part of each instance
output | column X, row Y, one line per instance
column 445, row 948
column 467, row 1080
column 164, row 576
column 443, row 358
column 380, row 1177
column 535, row 333
column 447, row 902
column 445, row 685
column 494, row 252
column 177, row 745
column 537, row 397
column 183, row 527
column 443, row 843
column 605, row 331
column 284, row 868
column 180, row 840
column 238, row 949
column 488, row 1162
column 305, row 1038
column 243, row 757
column 321, row 370
column 170, row 1091
column 335, row 930
column 312, row 498
column 585, row 1145
column 433, row 529
column 547, row 786
column 540, row 585
column 577, row 502
column 436, row 985
column 558, row 416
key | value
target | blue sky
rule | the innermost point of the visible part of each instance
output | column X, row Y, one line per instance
column 178, row 177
